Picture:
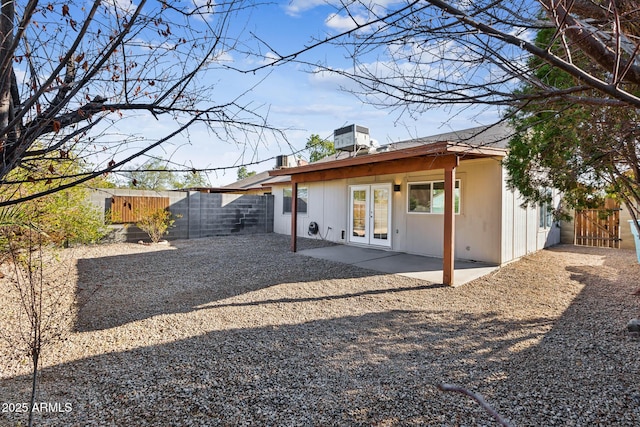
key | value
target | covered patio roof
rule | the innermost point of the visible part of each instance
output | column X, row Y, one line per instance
column 424, row 157
column 400, row 158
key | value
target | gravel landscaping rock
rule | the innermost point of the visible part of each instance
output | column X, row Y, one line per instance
column 237, row 330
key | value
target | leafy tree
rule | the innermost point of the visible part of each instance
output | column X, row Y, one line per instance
column 71, row 70
column 68, row 217
column 586, row 151
column 244, row 173
column 193, row 179
column 153, row 175
column 103, row 181
column 156, row 175
column 64, row 217
column 319, row 148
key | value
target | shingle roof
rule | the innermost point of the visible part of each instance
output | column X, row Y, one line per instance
column 496, row 136
column 254, row 181
column 493, row 139
column 490, row 136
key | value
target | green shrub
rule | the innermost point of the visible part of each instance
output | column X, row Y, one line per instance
column 62, row 218
column 156, row 223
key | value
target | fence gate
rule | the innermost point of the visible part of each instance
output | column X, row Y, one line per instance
column 598, row 227
column 130, row 209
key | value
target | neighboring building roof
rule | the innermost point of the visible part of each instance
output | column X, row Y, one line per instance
column 262, row 180
column 279, row 179
column 254, row 182
column 251, row 182
column 206, row 189
column 496, row 135
column 258, row 181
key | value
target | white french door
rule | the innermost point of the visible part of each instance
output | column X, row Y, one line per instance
column 370, row 214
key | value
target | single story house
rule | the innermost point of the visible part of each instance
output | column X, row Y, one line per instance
column 442, row 196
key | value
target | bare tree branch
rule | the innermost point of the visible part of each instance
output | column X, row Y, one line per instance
column 418, row 55
column 478, row 398
column 83, row 68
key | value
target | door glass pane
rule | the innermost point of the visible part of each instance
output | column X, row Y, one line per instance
column 359, row 213
column 381, row 213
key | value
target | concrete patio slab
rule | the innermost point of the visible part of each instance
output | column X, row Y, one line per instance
column 416, row 266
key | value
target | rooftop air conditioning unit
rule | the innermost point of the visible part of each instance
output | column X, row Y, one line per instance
column 283, row 161
column 350, row 138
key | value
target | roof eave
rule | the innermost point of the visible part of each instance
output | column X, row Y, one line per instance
column 429, row 150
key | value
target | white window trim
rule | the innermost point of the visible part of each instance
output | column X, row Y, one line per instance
column 409, row 184
column 543, row 209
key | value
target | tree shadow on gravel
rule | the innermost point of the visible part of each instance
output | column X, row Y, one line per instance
column 342, row 296
column 115, row 290
column 373, row 369
column 575, row 367
column 586, row 369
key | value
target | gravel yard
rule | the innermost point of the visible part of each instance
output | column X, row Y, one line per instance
column 239, row 331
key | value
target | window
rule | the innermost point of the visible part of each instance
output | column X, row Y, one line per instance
column 302, row 200
column 545, row 211
column 428, row 197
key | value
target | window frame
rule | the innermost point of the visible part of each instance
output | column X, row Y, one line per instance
column 457, row 189
column 304, row 199
column 545, row 211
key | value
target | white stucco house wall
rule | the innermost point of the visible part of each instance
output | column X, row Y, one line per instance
column 367, row 198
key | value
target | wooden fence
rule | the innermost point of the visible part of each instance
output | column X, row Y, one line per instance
column 598, row 227
column 130, row 209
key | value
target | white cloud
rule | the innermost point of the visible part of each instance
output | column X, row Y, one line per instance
column 269, row 58
column 344, row 23
column 296, row 7
column 325, row 78
column 525, row 34
column 126, row 6
column 204, row 9
column 152, row 44
column 222, row 56
column 206, row 4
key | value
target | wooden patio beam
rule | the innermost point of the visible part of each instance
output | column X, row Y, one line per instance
column 449, row 224
column 294, row 215
column 411, row 164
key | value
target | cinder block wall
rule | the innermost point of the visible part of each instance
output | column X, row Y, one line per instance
column 197, row 214
column 567, row 231
column 224, row 214
column 625, row 230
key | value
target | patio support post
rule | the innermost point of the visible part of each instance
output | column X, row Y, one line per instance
column 294, row 214
column 449, row 223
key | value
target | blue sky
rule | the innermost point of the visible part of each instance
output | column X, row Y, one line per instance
column 294, row 99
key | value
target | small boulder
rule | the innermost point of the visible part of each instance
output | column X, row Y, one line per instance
column 633, row 325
